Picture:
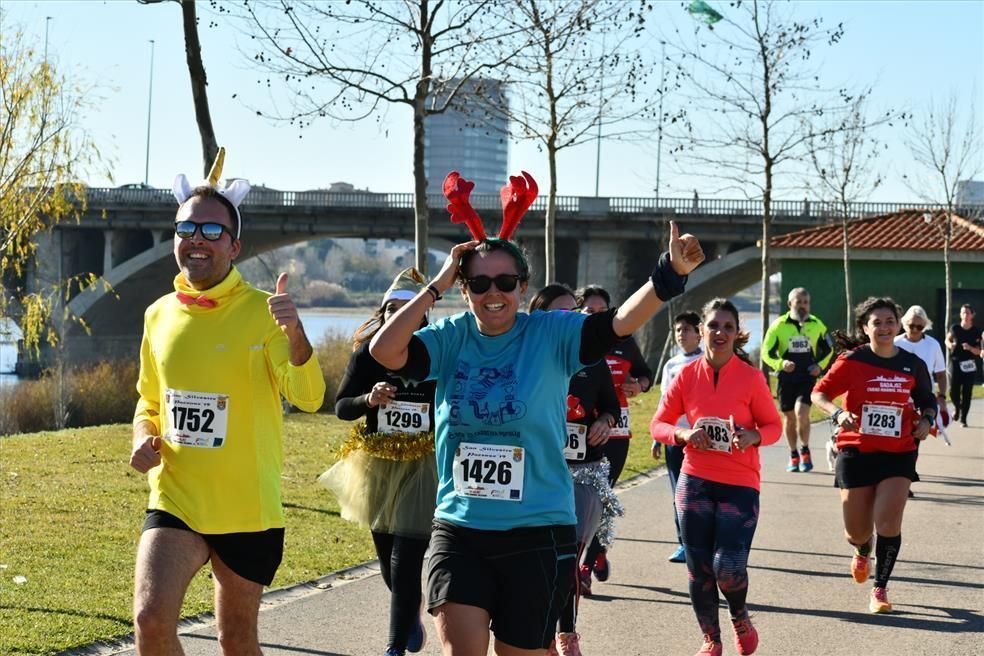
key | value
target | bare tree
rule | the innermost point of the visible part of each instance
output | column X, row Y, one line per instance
column 748, row 90
column 371, row 54
column 578, row 76
column 947, row 148
column 199, row 81
column 845, row 160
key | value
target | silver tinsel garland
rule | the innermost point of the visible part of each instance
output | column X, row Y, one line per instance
column 596, row 474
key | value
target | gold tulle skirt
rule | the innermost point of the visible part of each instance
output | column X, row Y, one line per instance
column 386, row 482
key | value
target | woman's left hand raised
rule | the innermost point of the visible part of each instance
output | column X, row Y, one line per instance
column 685, row 251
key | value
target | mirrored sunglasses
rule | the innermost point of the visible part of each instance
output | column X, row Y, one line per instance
column 210, row 230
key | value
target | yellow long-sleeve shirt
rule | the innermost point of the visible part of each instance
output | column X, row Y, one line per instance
column 211, row 381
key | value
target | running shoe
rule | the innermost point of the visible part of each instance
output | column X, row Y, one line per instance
column 602, row 568
column 794, row 464
column 746, row 637
column 806, row 462
column 393, row 651
column 860, row 568
column 568, row 644
column 711, row 647
column 879, row 601
column 584, row 581
column 552, row 649
column 417, row 639
column 678, row 556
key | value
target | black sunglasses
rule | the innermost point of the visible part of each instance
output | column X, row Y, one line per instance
column 504, row 282
column 211, row 231
column 915, row 326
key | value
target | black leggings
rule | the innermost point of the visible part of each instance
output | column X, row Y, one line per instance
column 616, row 451
column 400, row 562
column 961, row 389
column 718, row 523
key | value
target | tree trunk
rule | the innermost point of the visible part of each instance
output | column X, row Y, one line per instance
column 199, row 83
column 847, row 275
column 948, row 284
column 766, row 235
column 549, row 225
column 420, row 209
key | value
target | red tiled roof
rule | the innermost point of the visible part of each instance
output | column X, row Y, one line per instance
column 903, row 230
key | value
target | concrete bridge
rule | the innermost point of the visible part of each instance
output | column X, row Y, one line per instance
column 126, row 236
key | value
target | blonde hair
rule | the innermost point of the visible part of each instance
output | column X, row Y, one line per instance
column 916, row 311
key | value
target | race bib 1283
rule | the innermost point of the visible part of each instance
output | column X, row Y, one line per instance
column 881, row 420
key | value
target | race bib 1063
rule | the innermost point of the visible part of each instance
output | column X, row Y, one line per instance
column 196, row 419
column 621, row 427
column 718, row 430
column 798, row 345
column 404, row 417
column 881, row 420
column 577, row 442
column 489, row 471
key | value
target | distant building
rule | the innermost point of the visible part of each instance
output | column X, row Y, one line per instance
column 454, row 141
column 970, row 192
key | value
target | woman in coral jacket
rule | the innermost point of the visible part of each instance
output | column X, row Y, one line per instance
column 728, row 403
column 888, row 406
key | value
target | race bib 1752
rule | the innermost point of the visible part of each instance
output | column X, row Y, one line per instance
column 198, row 419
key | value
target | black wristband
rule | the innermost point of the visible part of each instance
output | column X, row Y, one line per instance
column 667, row 283
column 434, row 293
column 837, row 413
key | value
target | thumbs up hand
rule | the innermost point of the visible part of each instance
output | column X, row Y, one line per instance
column 284, row 312
column 685, row 251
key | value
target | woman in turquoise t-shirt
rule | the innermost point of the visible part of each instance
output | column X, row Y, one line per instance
column 503, row 545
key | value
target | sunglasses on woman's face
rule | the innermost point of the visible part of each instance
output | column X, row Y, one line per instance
column 504, row 282
column 211, row 231
column 916, row 326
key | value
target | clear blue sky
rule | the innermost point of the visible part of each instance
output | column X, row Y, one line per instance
column 913, row 51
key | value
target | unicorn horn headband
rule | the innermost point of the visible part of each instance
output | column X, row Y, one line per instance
column 517, row 197
column 234, row 192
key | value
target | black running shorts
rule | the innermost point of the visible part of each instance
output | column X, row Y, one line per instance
column 857, row 469
column 522, row 577
column 791, row 392
column 253, row 556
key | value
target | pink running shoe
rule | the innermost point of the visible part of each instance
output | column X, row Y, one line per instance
column 879, row 601
column 584, row 581
column 861, row 568
column 746, row 637
column 568, row 644
column 711, row 647
column 552, row 649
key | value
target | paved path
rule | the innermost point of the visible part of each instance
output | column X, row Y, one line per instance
column 802, row 597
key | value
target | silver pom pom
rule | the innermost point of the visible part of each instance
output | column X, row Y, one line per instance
column 595, row 474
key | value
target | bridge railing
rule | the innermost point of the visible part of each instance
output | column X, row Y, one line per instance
column 806, row 210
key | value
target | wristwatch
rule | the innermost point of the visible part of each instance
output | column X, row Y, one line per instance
column 833, row 417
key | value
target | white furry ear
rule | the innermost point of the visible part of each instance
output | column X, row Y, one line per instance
column 235, row 191
column 181, row 188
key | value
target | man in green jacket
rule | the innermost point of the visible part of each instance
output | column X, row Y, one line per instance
column 798, row 348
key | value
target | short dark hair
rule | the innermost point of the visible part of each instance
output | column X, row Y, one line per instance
column 691, row 318
column 492, row 245
column 205, row 191
column 968, row 307
column 586, row 292
column 543, row 298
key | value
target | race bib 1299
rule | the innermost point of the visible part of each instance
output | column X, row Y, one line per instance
column 404, row 417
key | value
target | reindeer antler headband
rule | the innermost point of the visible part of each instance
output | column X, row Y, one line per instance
column 234, row 192
column 517, row 197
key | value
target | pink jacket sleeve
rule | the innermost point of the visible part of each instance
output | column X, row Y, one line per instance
column 763, row 408
column 663, row 425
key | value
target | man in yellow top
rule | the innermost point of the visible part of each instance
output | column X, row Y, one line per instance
column 217, row 354
column 798, row 348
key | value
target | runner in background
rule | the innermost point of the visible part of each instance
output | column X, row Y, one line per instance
column 797, row 347
column 386, row 477
column 964, row 342
column 632, row 376
column 591, row 410
column 686, row 332
column 888, row 406
column 728, row 403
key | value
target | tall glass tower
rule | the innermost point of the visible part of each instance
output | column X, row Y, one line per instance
column 470, row 142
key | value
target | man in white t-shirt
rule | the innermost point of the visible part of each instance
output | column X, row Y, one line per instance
column 686, row 332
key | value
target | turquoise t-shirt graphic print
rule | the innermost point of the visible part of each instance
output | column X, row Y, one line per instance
column 501, row 419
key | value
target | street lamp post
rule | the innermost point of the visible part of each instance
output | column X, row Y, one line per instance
column 150, row 98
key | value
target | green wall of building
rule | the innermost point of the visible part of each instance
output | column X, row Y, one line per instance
column 909, row 283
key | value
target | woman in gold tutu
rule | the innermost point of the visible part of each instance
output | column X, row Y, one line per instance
column 386, row 476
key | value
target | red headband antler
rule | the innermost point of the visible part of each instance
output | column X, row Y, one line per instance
column 517, row 197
